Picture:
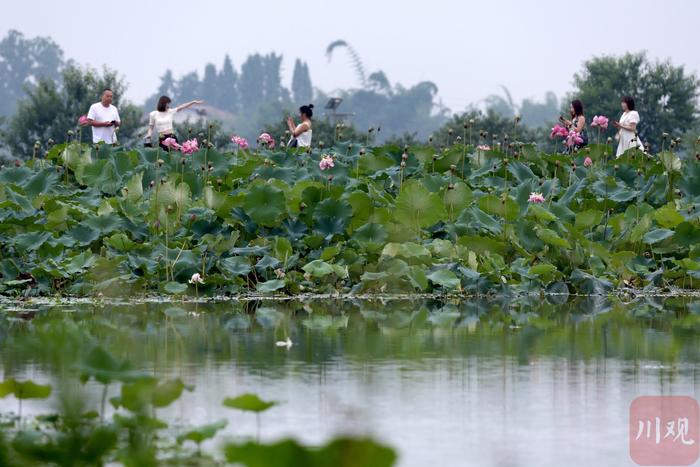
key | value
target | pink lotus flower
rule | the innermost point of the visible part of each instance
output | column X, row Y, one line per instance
column 573, row 138
column 196, row 279
column 267, row 140
column 239, row 141
column 535, row 197
column 83, row 120
column 600, row 121
column 559, row 131
column 326, row 163
column 190, row 146
column 587, row 162
column 483, row 147
column 171, row 144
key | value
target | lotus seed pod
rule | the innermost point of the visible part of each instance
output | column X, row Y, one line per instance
column 451, row 186
column 152, row 184
column 471, row 121
column 449, row 131
column 70, row 133
column 404, row 156
column 403, row 164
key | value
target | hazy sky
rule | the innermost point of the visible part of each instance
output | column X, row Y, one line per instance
column 467, row 48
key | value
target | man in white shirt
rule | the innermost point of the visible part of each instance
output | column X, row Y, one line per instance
column 103, row 117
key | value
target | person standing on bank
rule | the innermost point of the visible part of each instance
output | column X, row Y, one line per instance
column 160, row 120
column 103, row 117
column 627, row 135
column 301, row 134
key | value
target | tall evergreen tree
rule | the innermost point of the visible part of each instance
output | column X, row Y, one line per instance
column 251, row 87
column 227, row 87
column 209, row 87
column 189, row 87
column 301, row 83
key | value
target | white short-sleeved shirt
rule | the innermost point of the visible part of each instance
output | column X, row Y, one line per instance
column 162, row 121
column 627, row 137
column 100, row 113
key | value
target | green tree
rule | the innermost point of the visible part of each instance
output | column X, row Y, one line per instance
column 23, row 62
column 50, row 110
column 209, row 86
column 302, row 90
column 666, row 96
column 189, row 88
column 228, row 87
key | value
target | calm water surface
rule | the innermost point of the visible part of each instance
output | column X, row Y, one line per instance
column 479, row 383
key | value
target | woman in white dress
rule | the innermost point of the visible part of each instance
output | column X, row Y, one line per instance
column 627, row 127
column 160, row 121
column 301, row 133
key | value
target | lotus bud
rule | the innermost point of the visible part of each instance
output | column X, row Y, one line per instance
column 403, row 164
column 160, row 162
column 471, row 121
column 50, row 142
column 70, row 133
column 609, row 140
column 404, row 156
column 152, row 184
column 37, row 145
column 193, row 217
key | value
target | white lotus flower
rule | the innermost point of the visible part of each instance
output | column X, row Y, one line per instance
column 196, row 279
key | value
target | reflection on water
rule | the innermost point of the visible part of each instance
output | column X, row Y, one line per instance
column 488, row 382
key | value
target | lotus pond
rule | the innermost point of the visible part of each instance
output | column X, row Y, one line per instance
column 484, row 382
column 104, row 221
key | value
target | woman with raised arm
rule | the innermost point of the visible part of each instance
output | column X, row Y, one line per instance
column 627, row 127
column 160, row 121
column 301, row 133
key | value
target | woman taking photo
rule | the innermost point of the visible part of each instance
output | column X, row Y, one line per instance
column 160, row 120
column 301, row 134
column 627, row 126
column 577, row 122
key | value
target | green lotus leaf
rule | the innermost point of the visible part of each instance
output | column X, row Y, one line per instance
column 416, row 207
column 265, row 204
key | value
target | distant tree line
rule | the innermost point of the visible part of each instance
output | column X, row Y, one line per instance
column 42, row 94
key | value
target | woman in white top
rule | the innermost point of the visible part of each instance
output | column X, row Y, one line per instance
column 160, row 121
column 301, row 134
column 627, row 135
